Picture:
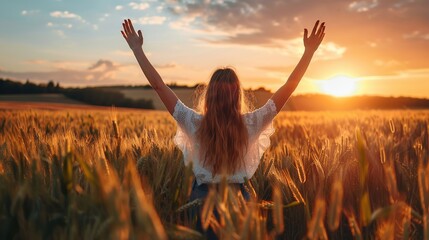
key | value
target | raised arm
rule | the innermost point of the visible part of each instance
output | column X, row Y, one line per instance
column 135, row 41
column 311, row 44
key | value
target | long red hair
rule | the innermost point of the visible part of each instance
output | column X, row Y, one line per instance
column 222, row 134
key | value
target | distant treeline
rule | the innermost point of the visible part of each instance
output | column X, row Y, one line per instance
column 319, row 102
column 93, row 96
column 147, row 86
column 171, row 85
column 12, row 87
column 103, row 97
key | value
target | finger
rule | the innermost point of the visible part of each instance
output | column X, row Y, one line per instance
column 131, row 26
column 123, row 34
column 322, row 26
column 315, row 27
column 140, row 34
column 321, row 38
column 127, row 27
column 320, row 31
column 305, row 33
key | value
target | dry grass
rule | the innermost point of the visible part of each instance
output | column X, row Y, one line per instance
column 117, row 175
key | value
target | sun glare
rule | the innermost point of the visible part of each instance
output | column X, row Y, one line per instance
column 339, row 86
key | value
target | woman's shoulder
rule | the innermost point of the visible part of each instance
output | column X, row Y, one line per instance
column 187, row 118
column 181, row 110
column 267, row 110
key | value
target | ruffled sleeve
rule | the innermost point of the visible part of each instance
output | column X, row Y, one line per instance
column 264, row 141
column 260, row 128
column 260, row 120
column 182, row 141
column 187, row 120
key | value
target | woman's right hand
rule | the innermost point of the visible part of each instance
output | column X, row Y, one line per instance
column 313, row 41
column 134, row 40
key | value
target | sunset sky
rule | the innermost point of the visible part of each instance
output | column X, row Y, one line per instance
column 381, row 45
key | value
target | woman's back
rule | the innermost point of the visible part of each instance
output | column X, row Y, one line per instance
column 259, row 128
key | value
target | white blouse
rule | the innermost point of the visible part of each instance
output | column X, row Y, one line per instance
column 259, row 125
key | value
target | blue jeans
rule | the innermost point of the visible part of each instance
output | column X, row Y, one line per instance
column 200, row 192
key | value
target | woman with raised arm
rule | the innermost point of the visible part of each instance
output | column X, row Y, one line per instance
column 222, row 140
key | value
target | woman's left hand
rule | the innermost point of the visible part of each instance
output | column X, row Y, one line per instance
column 133, row 39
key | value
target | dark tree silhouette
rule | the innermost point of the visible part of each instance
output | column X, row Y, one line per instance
column 94, row 96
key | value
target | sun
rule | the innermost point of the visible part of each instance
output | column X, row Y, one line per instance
column 339, row 86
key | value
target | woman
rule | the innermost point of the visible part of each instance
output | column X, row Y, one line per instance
column 222, row 141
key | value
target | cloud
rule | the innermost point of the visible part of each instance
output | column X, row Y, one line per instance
column 330, row 50
column 215, row 19
column 54, row 25
column 359, row 32
column 103, row 65
column 154, row 20
column 419, row 72
column 407, row 74
column 29, row 12
column 186, row 24
column 67, row 14
column 285, row 19
column 104, row 17
column 416, row 35
column 119, row 7
column 363, row 6
column 228, row 16
column 139, row 6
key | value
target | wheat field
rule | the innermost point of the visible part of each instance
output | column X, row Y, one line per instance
column 101, row 174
